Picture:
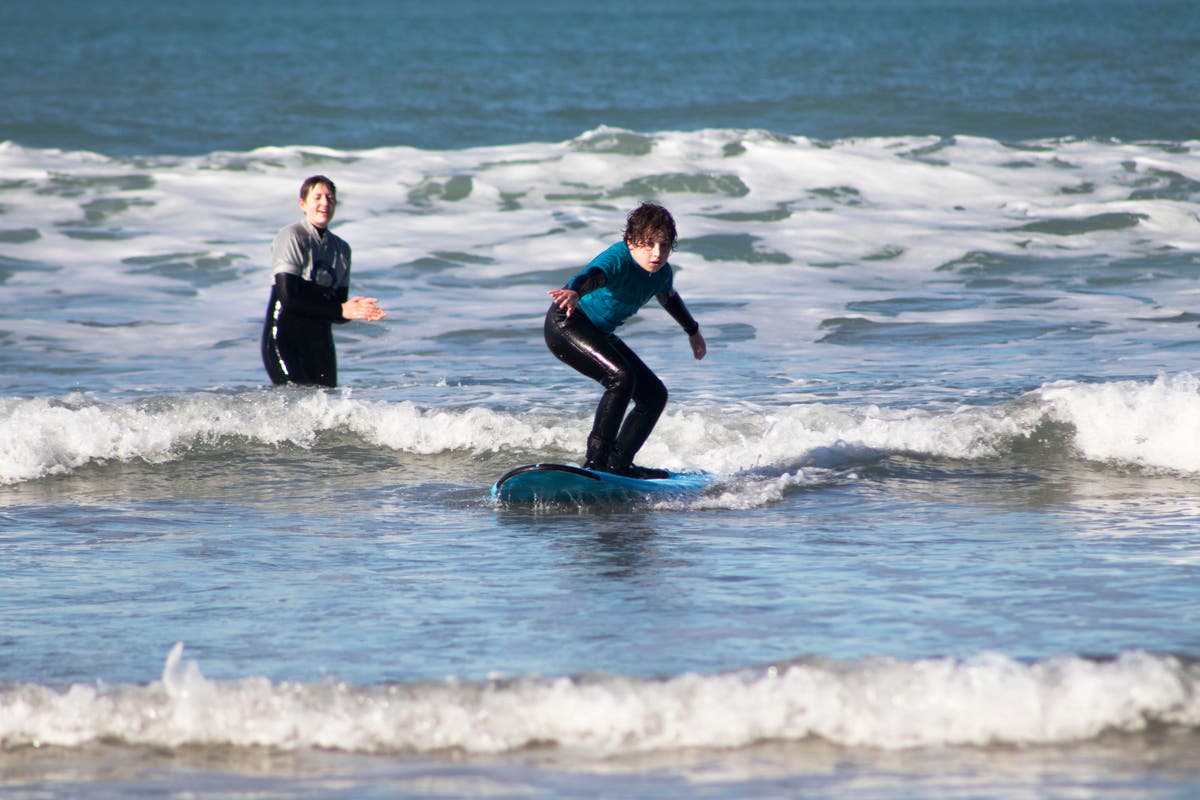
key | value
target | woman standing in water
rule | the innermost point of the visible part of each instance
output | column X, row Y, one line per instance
column 310, row 292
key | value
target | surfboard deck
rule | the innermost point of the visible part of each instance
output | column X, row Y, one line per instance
column 564, row 483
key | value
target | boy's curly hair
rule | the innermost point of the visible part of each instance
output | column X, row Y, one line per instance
column 649, row 223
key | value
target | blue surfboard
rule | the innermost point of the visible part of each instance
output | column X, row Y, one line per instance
column 563, row 483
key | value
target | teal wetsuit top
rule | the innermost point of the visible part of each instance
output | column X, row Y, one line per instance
column 626, row 287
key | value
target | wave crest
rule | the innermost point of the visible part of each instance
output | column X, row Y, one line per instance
column 1148, row 425
column 877, row 702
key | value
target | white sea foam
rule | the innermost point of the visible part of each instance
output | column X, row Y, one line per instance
column 1155, row 425
column 782, row 210
column 877, row 702
column 1140, row 424
column 146, row 278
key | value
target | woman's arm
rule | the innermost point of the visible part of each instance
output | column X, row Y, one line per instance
column 303, row 298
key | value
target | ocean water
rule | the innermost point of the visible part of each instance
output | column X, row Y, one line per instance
column 945, row 256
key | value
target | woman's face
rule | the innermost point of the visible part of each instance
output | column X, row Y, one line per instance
column 319, row 205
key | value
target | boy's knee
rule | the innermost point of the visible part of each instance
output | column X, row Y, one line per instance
column 653, row 395
column 621, row 380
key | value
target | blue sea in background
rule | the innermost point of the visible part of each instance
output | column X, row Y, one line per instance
column 946, row 256
column 143, row 77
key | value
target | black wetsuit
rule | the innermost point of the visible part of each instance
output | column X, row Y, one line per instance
column 602, row 356
column 311, row 281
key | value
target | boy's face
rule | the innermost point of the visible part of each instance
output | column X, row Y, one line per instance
column 651, row 254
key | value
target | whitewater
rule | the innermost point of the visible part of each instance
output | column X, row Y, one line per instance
column 951, row 403
column 1039, row 248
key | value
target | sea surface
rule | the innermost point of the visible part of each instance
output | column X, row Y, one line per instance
column 946, row 256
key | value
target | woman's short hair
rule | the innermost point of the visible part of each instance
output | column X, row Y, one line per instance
column 314, row 180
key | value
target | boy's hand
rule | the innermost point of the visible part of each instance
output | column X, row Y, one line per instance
column 566, row 299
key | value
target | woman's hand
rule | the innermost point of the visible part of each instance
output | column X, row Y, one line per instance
column 566, row 299
column 699, row 348
column 364, row 308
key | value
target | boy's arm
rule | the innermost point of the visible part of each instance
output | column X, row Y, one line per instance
column 589, row 280
column 673, row 303
column 567, row 297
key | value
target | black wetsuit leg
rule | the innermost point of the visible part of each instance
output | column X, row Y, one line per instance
column 577, row 342
column 298, row 349
column 649, row 400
